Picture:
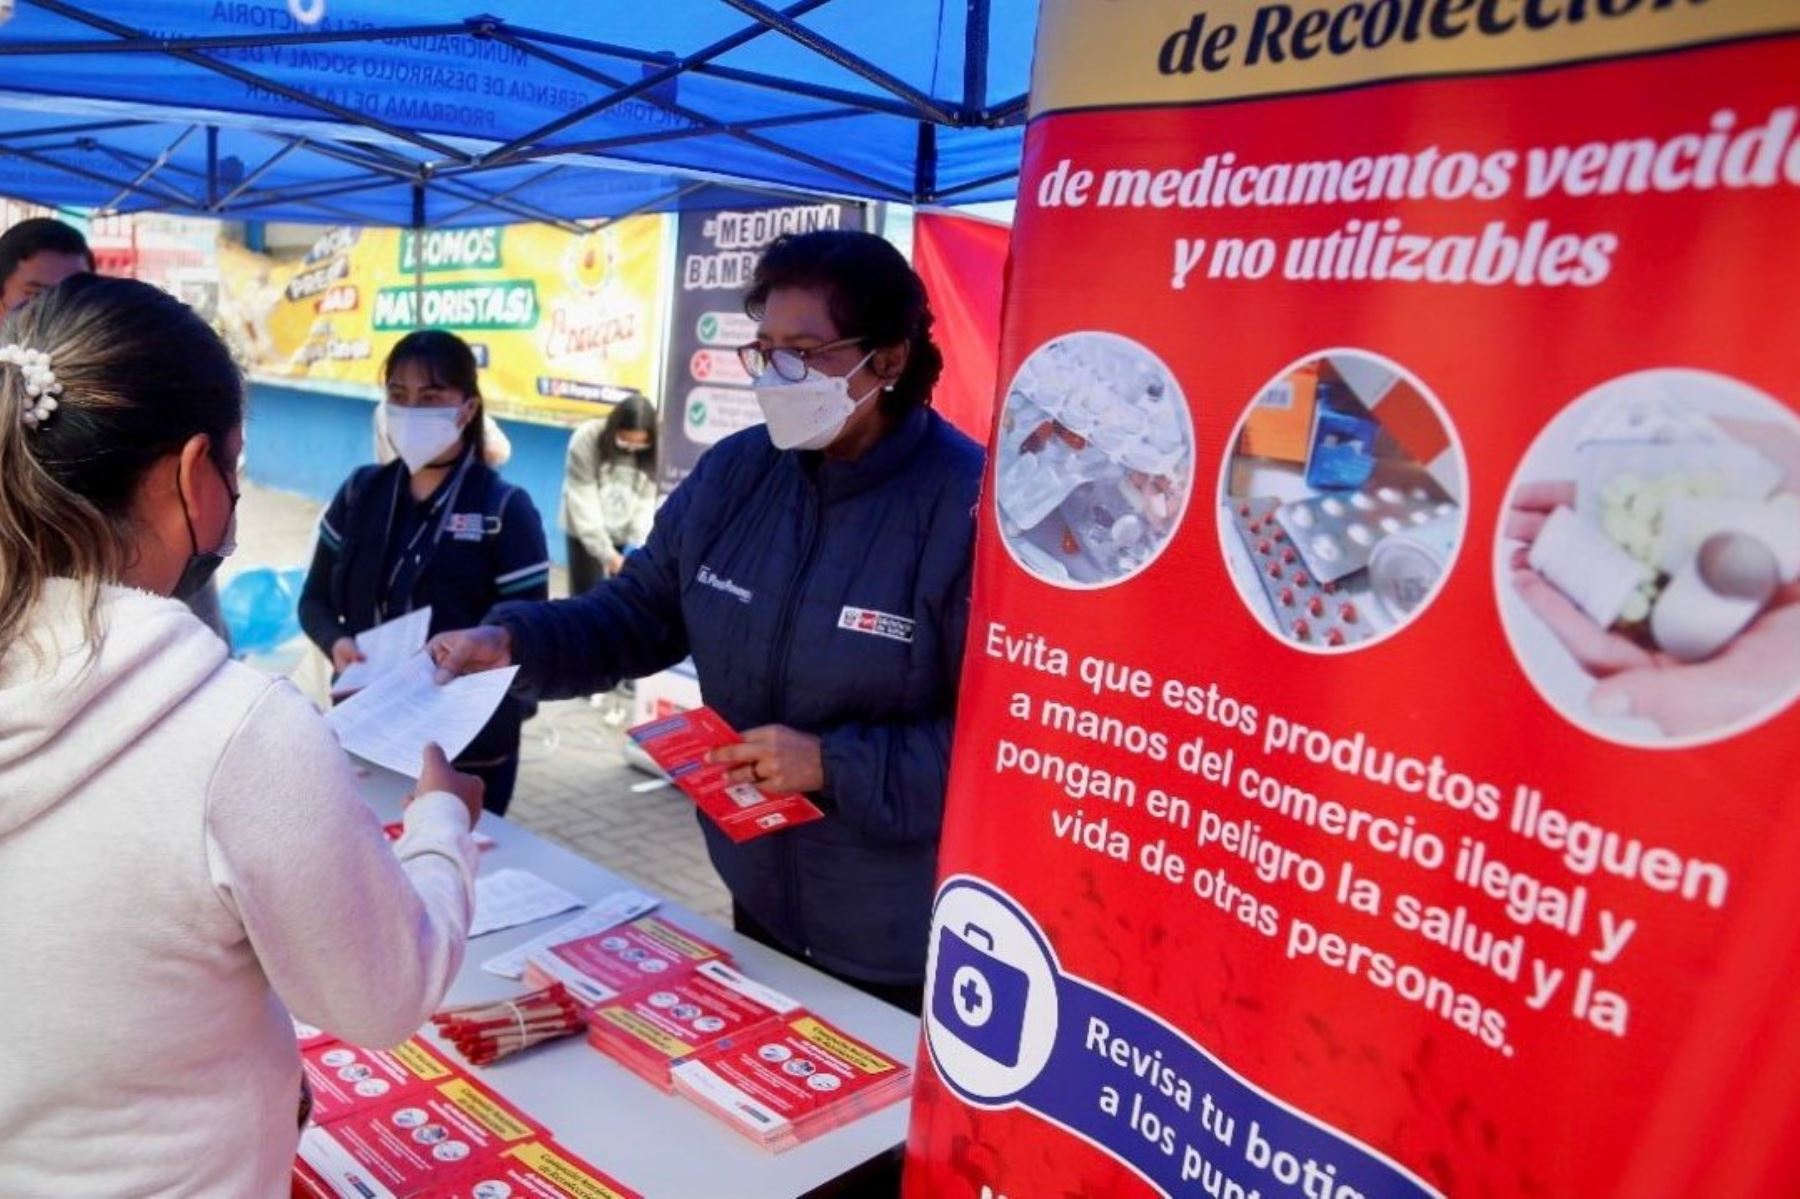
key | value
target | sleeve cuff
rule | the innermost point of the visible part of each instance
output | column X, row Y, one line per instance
column 437, row 822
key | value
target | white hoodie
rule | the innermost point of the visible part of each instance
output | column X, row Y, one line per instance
column 182, row 851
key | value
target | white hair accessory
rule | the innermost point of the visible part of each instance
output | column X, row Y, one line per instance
column 41, row 387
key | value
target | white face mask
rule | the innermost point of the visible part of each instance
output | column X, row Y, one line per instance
column 808, row 415
column 422, row 435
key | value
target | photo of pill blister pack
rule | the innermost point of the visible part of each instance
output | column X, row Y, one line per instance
column 1095, row 460
column 1308, row 609
column 1337, row 534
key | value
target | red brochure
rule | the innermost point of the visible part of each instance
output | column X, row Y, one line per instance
column 431, row 1137
column 707, row 1008
column 620, row 961
column 347, row 1079
column 792, row 1081
column 743, row 811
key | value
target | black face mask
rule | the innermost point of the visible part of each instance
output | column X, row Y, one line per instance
column 202, row 565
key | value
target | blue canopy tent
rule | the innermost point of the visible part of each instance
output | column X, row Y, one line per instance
column 375, row 113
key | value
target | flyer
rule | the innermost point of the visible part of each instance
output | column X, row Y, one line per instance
column 679, row 744
column 709, row 1006
column 620, row 961
column 789, row 1082
column 432, row 1136
column 535, row 1170
column 347, row 1079
column 1376, row 749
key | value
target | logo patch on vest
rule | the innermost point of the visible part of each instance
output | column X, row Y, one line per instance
column 706, row 578
column 876, row 624
column 467, row 526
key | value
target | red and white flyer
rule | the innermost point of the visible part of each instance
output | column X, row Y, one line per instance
column 347, row 1079
column 535, row 1170
column 620, row 961
column 431, row 1137
column 743, row 811
column 792, row 1081
column 707, row 1008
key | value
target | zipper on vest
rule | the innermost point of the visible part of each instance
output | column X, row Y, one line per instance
column 781, row 653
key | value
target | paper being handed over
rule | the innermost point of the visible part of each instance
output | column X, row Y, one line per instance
column 391, row 721
column 386, row 647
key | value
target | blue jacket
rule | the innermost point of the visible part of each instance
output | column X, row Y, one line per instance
column 831, row 597
column 489, row 547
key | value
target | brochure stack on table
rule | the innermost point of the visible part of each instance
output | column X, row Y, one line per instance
column 575, row 1102
column 410, row 1123
column 712, row 1005
column 619, row 961
column 793, row 1080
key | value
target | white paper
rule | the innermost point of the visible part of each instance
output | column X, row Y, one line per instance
column 385, row 647
column 615, row 909
column 508, row 898
column 391, row 721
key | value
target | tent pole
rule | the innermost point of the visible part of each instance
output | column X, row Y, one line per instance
column 244, row 184
column 925, row 165
column 826, row 48
column 621, row 91
column 418, row 226
column 975, row 62
column 791, row 87
column 212, row 167
column 156, row 164
column 71, row 12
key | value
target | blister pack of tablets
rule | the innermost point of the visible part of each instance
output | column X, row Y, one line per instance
column 1335, row 534
column 1308, row 609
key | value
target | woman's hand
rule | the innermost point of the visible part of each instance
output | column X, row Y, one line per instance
column 343, row 654
column 439, row 775
column 470, row 651
column 775, row 758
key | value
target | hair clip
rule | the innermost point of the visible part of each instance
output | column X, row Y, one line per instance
column 41, row 387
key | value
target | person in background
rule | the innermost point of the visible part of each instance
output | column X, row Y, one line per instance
column 437, row 527
column 36, row 255
column 609, row 491
column 817, row 568
column 184, row 855
column 496, row 447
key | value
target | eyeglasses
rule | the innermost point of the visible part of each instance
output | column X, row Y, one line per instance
column 791, row 364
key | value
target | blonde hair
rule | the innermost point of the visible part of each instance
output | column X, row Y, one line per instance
column 141, row 375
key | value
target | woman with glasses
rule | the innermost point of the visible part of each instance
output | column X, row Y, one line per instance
column 817, row 569
column 436, row 527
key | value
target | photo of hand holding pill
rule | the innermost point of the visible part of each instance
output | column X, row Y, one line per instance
column 1649, row 559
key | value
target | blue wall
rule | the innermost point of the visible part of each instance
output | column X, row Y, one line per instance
column 308, row 442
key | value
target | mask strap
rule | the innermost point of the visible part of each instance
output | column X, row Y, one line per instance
column 186, row 517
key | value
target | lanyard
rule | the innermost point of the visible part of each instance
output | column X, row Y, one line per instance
column 437, row 519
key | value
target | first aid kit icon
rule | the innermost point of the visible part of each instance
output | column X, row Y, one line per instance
column 977, row 997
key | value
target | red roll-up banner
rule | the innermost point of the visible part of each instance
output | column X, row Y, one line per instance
column 1375, row 769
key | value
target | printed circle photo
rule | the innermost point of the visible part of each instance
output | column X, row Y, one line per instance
column 1095, row 460
column 1342, row 501
column 1648, row 559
